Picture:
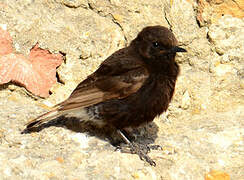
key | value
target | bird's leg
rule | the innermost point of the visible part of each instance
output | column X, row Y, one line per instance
column 127, row 141
column 135, row 148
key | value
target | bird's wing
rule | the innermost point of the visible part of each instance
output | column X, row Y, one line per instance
column 117, row 77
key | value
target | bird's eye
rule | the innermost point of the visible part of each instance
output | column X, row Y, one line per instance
column 155, row 44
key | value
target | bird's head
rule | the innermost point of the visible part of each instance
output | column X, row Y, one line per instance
column 156, row 41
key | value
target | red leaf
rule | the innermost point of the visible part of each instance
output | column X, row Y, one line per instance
column 45, row 63
column 36, row 73
column 5, row 42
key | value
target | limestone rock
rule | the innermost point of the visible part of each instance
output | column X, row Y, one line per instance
column 210, row 11
column 228, row 35
column 203, row 128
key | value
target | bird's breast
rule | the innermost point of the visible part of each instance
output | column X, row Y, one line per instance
column 158, row 94
column 150, row 101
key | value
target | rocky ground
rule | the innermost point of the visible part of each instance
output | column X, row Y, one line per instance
column 203, row 129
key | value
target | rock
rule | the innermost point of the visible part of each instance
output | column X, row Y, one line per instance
column 217, row 175
column 185, row 100
column 227, row 35
column 131, row 16
column 221, row 69
column 186, row 31
column 204, row 126
column 210, row 11
column 144, row 174
column 75, row 3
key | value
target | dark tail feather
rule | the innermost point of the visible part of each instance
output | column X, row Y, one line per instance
column 44, row 118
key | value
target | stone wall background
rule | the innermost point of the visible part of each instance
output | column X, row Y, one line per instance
column 203, row 129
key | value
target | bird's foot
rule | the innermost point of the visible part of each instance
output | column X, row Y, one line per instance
column 141, row 150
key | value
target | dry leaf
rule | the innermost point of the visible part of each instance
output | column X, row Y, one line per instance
column 5, row 42
column 36, row 73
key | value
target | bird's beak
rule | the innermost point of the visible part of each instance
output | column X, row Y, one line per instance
column 177, row 49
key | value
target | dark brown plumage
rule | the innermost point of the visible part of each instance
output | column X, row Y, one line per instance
column 131, row 87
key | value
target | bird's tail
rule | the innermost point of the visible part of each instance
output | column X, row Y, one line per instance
column 44, row 118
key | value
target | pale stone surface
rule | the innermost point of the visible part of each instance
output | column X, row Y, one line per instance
column 203, row 129
column 228, row 35
column 209, row 11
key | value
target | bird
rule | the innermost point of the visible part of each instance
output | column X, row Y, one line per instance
column 130, row 88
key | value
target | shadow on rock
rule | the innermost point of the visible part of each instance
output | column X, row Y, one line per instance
column 144, row 135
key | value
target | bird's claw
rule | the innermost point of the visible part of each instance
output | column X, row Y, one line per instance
column 155, row 147
column 140, row 149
